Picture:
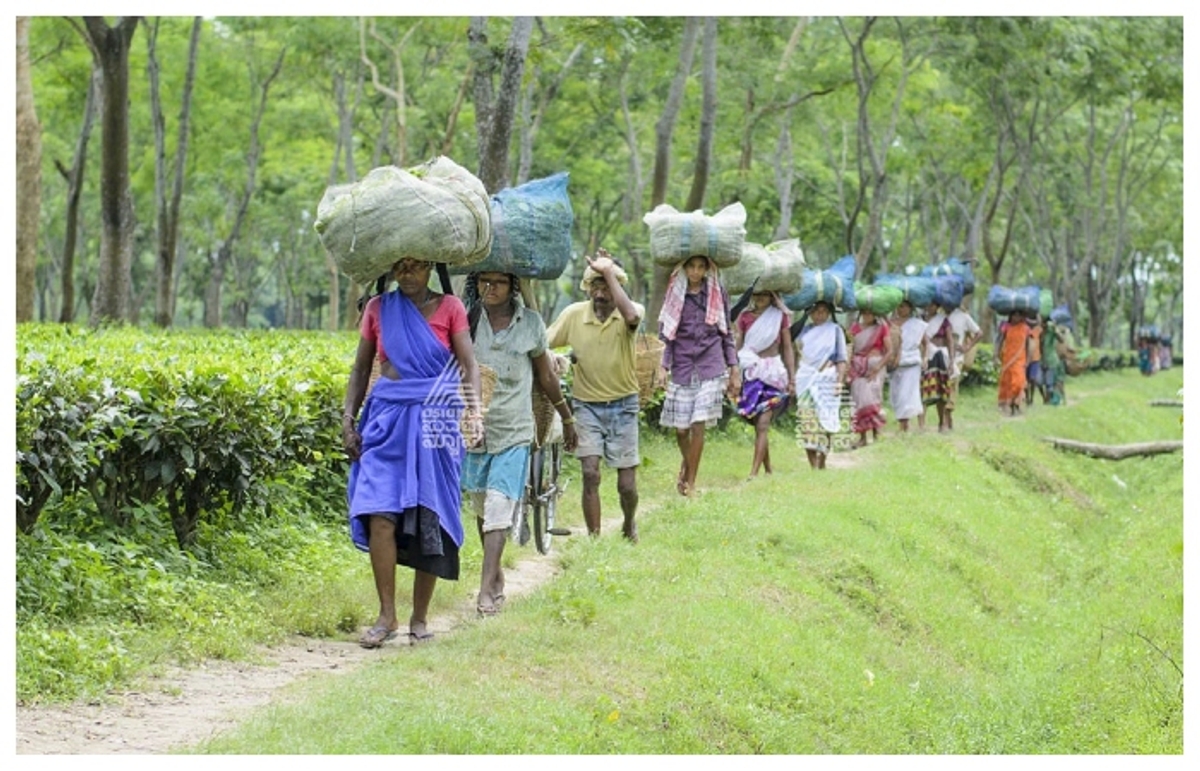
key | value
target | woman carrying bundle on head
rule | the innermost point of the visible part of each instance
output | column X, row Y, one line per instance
column 937, row 366
column 871, row 343
column 907, row 354
column 1013, row 344
column 768, row 363
column 405, row 447
column 819, row 374
column 699, row 356
column 511, row 339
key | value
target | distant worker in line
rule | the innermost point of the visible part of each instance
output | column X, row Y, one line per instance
column 767, row 359
column 601, row 332
column 819, row 375
column 937, row 386
column 907, row 354
column 1013, row 342
column 870, row 350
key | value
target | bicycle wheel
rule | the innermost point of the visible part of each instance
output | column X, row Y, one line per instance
column 522, row 520
column 547, row 498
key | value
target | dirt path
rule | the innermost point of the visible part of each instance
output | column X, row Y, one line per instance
column 185, row 706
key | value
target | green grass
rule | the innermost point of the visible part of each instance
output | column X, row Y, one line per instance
column 978, row 592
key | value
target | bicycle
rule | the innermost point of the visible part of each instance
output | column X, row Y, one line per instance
column 535, row 513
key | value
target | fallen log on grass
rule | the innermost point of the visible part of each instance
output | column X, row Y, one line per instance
column 1116, row 451
column 1165, row 403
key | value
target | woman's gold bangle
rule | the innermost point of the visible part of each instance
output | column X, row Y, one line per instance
column 569, row 420
column 560, row 402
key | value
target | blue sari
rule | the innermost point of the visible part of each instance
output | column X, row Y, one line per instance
column 412, row 449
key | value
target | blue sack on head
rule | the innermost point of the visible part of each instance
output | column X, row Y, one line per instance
column 1004, row 300
column 1061, row 315
column 948, row 291
column 531, row 230
column 832, row 286
column 952, row 266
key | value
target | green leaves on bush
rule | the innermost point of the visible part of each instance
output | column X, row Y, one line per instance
column 187, row 423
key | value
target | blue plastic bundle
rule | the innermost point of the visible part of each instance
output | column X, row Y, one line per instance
column 948, row 291
column 531, row 230
column 1061, row 315
column 918, row 290
column 834, row 285
column 952, row 266
column 1004, row 300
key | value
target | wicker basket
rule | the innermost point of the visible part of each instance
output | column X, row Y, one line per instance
column 647, row 361
column 487, row 384
column 543, row 410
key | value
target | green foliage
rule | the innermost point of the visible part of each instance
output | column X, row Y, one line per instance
column 164, row 423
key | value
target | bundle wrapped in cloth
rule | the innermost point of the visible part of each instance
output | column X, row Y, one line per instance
column 531, row 230
column 778, row 266
column 1004, row 300
column 918, row 290
column 675, row 236
column 880, row 299
column 948, row 291
column 1061, row 316
column 953, row 266
column 437, row 211
column 834, row 285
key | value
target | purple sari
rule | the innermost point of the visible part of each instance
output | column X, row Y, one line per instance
column 412, row 450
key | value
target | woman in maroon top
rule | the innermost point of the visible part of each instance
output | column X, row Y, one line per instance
column 700, row 357
column 871, row 350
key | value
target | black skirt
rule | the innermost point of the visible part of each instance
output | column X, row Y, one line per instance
column 422, row 544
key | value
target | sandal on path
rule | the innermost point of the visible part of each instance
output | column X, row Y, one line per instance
column 419, row 637
column 376, row 636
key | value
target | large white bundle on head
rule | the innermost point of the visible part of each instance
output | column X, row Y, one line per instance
column 437, row 211
column 778, row 266
column 675, row 236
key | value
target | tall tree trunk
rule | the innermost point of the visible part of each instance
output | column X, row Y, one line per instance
column 74, row 178
column 114, row 281
column 664, row 129
column 168, row 209
column 29, row 178
column 708, row 115
column 784, row 176
column 493, row 147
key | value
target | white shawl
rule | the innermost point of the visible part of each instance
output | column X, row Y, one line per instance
column 761, row 335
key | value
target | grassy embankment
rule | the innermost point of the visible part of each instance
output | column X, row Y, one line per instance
column 978, row 592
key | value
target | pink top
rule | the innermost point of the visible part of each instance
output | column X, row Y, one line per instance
column 449, row 318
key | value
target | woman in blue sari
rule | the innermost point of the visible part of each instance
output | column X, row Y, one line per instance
column 406, row 448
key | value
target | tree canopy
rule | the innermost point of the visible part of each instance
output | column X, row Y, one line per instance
column 1047, row 149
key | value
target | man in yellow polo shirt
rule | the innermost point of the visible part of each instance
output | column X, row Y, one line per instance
column 601, row 332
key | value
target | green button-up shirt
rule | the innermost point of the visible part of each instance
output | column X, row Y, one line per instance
column 510, row 352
